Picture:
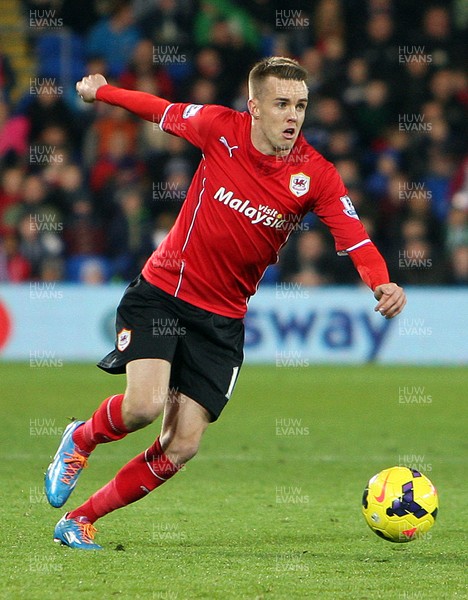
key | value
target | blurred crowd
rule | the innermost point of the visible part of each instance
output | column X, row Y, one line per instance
column 88, row 191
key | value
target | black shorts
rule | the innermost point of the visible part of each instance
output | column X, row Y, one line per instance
column 204, row 349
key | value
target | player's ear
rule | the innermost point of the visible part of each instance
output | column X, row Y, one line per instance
column 253, row 107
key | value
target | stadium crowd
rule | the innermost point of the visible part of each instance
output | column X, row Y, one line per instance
column 88, row 191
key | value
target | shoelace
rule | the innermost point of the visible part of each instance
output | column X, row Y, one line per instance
column 75, row 463
column 87, row 531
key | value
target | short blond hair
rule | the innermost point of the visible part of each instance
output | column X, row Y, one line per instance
column 274, row 66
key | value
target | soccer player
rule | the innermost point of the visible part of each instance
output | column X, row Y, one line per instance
column 179, row 325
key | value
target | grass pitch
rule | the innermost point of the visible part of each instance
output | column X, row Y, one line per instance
column 269, row 509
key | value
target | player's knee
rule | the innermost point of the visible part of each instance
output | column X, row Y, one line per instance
column 180, row 449
column 184, row 452
column 139, row 410
column 137, row 417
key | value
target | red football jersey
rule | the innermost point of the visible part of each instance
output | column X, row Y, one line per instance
column 240, row 209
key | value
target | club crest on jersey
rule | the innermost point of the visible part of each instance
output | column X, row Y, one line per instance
column 123, row 339
column 348, row 207
column 299, row 184
column 191, row 110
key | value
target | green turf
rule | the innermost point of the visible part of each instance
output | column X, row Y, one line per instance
column 257, row 514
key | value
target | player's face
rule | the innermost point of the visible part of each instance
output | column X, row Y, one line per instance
column 278, row 113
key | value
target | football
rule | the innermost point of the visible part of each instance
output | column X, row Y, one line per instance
column 400, row 504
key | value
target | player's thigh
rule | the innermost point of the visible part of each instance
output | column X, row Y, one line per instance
column 208, row 363
column 147, row 387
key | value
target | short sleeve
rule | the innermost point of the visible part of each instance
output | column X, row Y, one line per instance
column 191, row 121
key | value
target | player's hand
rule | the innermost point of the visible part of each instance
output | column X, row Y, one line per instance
column 391, row 299
column 88, row 87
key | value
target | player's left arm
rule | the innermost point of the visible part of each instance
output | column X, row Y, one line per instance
column 372, row 269
column 334, row 207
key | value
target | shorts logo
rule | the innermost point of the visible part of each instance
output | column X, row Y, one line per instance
column 299, row 184
column 348, row 207
column 123, row 339
column 191, row 110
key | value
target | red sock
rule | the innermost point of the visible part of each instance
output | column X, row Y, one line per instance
column 106, row 425
column 136, row 479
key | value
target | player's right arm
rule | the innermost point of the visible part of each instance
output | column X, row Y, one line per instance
column 146, row 106
column 190, row 121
